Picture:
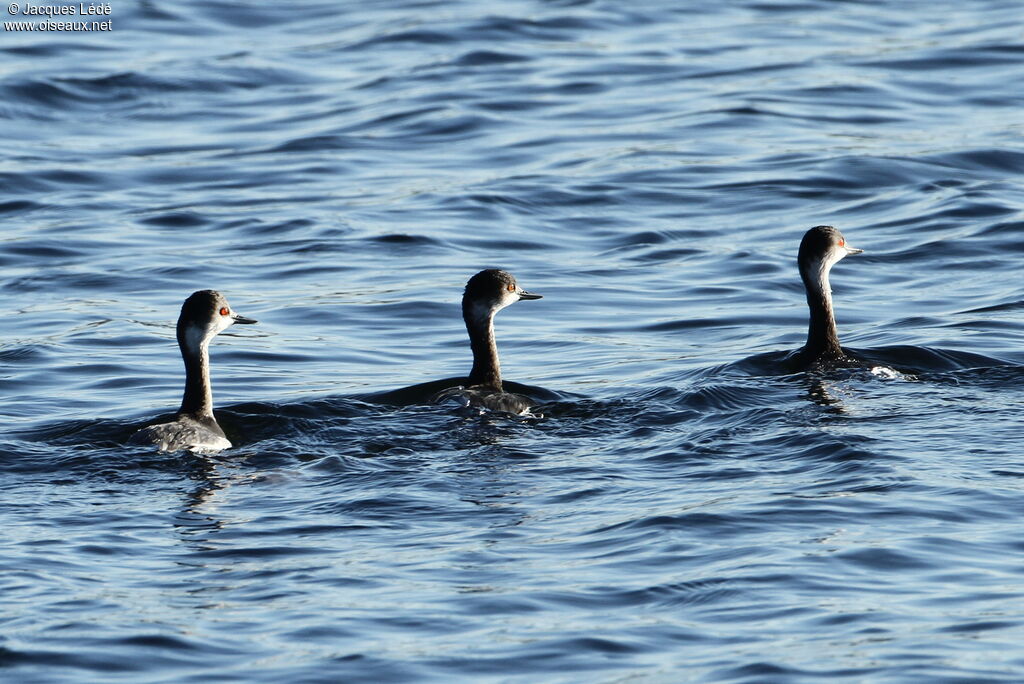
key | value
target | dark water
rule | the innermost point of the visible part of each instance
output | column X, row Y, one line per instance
column 685, row 511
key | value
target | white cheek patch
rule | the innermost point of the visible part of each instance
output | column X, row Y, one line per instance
column 222, row 323
column 195, row 337
column 819, row 274
column 819, row 269
column 835, row 255
column 484, row 311
column 507, row 299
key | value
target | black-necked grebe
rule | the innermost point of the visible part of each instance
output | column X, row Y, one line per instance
column 487, row 293
column 203, row 315
column 821, row 248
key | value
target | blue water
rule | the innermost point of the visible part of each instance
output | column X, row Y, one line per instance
column 686, row 510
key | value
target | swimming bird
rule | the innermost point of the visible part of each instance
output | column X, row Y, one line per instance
column 203, row 315
column 487, row 293
column 821, row 248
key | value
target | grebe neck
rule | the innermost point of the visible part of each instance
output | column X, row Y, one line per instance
column 822, row 337
column 480, row 326
column 198, row 398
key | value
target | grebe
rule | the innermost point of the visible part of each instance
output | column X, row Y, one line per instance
column 203, row 315
column 487, row 293
column 821, row 248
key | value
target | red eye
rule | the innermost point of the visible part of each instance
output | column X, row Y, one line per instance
column 224, row 311
column 842, row 242
column 511, row 288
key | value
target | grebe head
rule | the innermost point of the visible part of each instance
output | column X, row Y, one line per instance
column 490, row 291
column 203, row 315
column 821, row 248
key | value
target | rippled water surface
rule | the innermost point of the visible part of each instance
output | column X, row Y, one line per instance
column 685, row 510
